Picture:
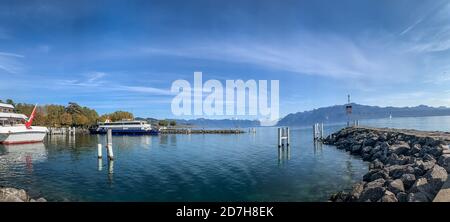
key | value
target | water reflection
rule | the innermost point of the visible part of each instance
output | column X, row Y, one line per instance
column 165, row 139
column 22, row 154
column 318, row 148
column 284, row 154
column 242, row 167
column 110, row 171
column 100, row 164
column 173, row 139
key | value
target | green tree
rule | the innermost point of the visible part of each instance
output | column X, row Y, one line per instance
column 163, row 122
column 10, row 101
column 73, row 108
column 173, row 123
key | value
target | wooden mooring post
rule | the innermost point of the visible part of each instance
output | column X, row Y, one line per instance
column 283, row 137
column 99, row 150
column 109, row 144
column 318, row 131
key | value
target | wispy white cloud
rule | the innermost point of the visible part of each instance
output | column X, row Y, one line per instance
column 309, row 54
column 10, row 62
column 409, row 28
column 430, row 33
column 142, row 89
column 94, row 76
column 95, row 81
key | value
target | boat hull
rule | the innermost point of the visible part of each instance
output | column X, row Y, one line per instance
column 125, row 132
column 22, row 135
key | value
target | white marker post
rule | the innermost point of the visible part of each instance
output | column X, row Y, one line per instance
column 109, row 146
column 99, row 149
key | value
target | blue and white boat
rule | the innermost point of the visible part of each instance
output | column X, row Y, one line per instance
column 125, row 127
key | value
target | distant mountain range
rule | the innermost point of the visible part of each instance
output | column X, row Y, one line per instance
column 330, row 114
column 337, row 113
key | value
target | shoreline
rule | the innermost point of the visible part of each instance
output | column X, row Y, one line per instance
column 405, row 165
column 10, row 194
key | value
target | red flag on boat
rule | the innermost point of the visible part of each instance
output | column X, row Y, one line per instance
column 30, row 120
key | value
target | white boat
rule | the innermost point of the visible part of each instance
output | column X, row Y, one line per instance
column 16, row 128
column 125, row 127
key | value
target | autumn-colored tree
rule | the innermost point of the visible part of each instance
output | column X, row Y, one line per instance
column 79, row 120
column 71, row 115
column 66, row 119
column 117, row 116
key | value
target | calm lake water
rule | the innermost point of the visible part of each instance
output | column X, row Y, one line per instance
column 246, row 167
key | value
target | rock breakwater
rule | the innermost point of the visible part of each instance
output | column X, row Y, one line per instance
column 405, row 165
column 8, row 194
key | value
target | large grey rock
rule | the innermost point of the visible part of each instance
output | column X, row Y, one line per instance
column 425, row 165
column 376, row 183
column 444, row 161
column 422, row 186
column 355, row 149
column 366, row 149
column 415, row 149
column 376, row 164
column 418, row 172
column 373, row 191
column 366, row 156
column 375, row 174
column 408, row 180
column 340, row 196
column 375, row 149
column 389, row 197
column 393, row 159
column 436, row 178
column 358, row 188
column 428, row 157
column 396, row 171
column 379, row 155
column 402, row 197
column 396, row 186
column 371, row 141
column 8, row 194
column 436, row 151
column 400, row 147
column 13, row 195
column 372, row 194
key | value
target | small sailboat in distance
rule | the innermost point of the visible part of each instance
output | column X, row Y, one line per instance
column 390, row 116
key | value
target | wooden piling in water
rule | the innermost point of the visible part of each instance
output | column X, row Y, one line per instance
column 99, row 150
column 283, row 135
column 109, row 146
column 318, row 131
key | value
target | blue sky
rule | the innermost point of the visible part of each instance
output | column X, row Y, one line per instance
column 112, row 55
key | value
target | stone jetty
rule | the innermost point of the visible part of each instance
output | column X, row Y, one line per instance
column 405, row 165
column 201, row 131
column 8, row 194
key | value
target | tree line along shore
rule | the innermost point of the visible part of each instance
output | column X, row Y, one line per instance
column 72, row 115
